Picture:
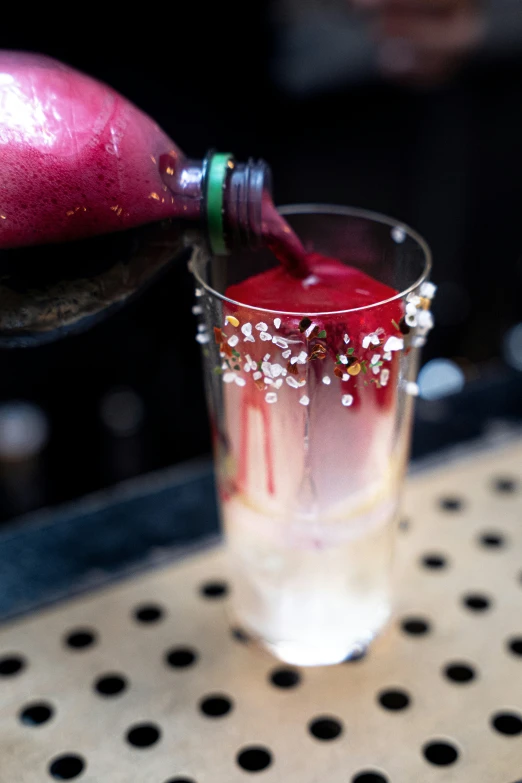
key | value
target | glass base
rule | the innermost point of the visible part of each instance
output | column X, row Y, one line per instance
column 327, row 652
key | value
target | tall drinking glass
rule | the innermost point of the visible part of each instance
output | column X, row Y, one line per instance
column 311, row 415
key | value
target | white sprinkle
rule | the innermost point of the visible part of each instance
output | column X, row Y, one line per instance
column 261, row 326
column 305, row 400
column 276, row 370
column 249, row 363
column 249, row 339
column 233, row 340
column 411, row 308
column 246, row 367
column 198, row 292
column 387, row 356
column 411, row 319
column 425, row 319
column 240, row 381
column 346, row 339
column 394, row 344
column 370, row 339
column 203, row 338
column 268, row 381
column 301, row 359
column 271, row 397
column 265, row 336
column 224, row 366
column 327, row 381
column 267, row 368
column 310, row 330
column 346, row 377
column 286, row 354
column 418, row 341
column 428, row 290
column 284, row 373
column 197, row 309
column 247, row 329
column 376, row 369
column 279, row 341
column 266, row 357
column 229, row 377
column 278, row 383
column 257, row 375
column 291, row 381
column 415, row 298
column 202, row 327
column 343, row 359
column 293, row 360
column 385, row 375
column 412, row 388
column 277, row 323
column 375, row 358
column 347, row 400
column 398, row 234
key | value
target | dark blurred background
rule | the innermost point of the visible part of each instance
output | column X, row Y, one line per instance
column 408, row 107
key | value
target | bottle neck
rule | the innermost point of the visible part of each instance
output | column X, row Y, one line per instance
column 225, row 195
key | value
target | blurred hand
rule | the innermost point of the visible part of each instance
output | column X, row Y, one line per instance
column 423, row 41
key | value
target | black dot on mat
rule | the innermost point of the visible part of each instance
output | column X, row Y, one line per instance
column 143, row 735
column 325, row 728
column 285, row 678
column 440, row 753
column 149, row 613
column 180, row 780
column 81, row 638
column 504, row 484
column 254, row 758
column 451, row 504
column 394, row 700
column 36, row 714
column 215, row 589
column 358, row 655
column 492, row 540
column 476, row 602
column 369, row 777
column 460, row 672
column 515, row 645
column 508, row 723
column 415, row 626
column 404, row 525
column 239, row 635
column 215, row 706
column 11, row 665
column 66, row 767
column 110, row 684
column 180, row 657
column 434, row 561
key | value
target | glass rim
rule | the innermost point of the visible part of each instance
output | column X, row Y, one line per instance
column 335, row 209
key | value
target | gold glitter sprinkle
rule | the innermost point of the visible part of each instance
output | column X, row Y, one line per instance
column 425, row 303
column 232, row 320
column 354, row 369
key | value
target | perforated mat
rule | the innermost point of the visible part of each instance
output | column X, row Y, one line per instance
column 144, row 682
